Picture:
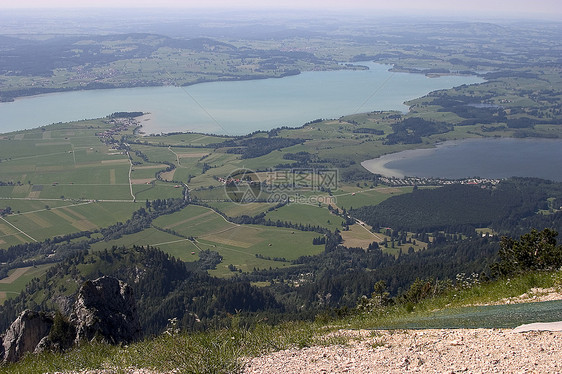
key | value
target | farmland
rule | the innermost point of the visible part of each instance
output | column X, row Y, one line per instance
column 71, row 178
column 18, row 278
column 82, row 177
column 227, row 236
column 102, row 183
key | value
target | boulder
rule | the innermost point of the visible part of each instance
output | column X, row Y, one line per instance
column 24, row 334
column 105, row 309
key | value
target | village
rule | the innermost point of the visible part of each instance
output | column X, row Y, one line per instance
column 424, row 181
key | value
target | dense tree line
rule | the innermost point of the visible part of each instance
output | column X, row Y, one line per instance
column 256, row 147
column 302, row 157
column 510, row 204
column 411, row 130
column 125, row 114
column 367, row 130
column 260, row 220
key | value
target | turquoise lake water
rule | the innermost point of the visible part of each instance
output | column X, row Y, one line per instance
column 235, row 108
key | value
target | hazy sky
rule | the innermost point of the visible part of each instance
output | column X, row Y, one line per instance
column 552, row 8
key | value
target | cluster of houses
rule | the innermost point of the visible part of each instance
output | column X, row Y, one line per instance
column 119, row 124
column 422, row 181
column 86, row 75
column 237, row 181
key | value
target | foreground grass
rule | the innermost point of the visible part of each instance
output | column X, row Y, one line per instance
column 220, row 351
column 223, row 351
column 453, row 301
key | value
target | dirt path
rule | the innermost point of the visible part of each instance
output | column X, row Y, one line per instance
column 130, row 180
column 30, row 237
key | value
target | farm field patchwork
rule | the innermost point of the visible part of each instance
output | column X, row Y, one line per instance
column 238, row 244
column 40, row 224
column 18, row 278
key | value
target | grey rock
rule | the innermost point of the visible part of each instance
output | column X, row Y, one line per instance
column 105, row 308
column 24, row 334
column 65, row 304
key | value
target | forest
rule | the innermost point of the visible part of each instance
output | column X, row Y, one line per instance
column 165, row 288
column 511, row 206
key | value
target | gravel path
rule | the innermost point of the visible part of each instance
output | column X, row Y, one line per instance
column 423, row 351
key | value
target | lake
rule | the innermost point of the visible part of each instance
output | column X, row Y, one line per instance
column 485, row 158
column 235, row 108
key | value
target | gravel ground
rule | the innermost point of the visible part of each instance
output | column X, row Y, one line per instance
column 431, row 351
column 423, row 351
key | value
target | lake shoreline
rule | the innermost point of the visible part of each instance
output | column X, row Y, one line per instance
column 54, row 90
column 237, row 107
column 347, row 66
column 378, row 165
column 489, row 157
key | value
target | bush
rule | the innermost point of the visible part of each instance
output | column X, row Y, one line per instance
column 536, row 250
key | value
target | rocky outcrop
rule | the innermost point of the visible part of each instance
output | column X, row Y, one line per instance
column 24, row 334
column 104, row 309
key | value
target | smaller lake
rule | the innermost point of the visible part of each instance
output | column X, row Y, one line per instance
column 485, row 158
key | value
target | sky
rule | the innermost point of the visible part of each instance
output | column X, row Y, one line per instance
column 551, row 8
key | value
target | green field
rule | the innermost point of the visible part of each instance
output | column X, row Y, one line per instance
column 47, row 222
column 172, row 244
column 235, row 210
column 238, row 244
column 305, row 214
column 183, row 139
column 354, row 197
column 18, row 278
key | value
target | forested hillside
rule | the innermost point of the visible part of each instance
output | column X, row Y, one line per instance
column 512, row 206
column 164, row 288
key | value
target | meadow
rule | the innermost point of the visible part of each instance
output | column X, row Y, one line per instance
column 41, row 224
column 305, row 214
column 67, row 177
column 18, row 278
column 237, row 244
